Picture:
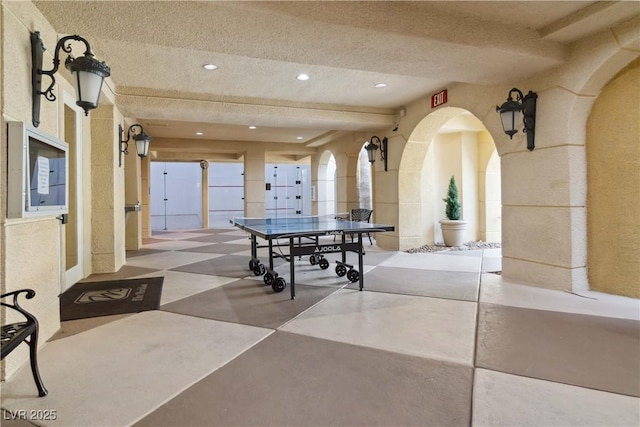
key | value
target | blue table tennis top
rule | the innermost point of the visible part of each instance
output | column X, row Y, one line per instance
column 273, row 228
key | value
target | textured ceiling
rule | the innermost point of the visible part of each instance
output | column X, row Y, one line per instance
column 156, row 50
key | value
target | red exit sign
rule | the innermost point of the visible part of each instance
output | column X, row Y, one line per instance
column 439, row 98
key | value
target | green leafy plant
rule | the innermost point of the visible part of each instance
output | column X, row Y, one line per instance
column 452, row 209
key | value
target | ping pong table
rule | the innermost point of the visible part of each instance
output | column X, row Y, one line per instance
column 303, row 235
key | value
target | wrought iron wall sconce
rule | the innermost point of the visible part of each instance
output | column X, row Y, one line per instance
column 373, row 146
column 510, row 115
column 141, row 139
column 88, row 74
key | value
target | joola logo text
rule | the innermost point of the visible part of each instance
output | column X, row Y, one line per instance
column 327, row 248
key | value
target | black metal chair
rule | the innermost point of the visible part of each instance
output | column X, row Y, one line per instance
column 16, row 333
column 362, row 215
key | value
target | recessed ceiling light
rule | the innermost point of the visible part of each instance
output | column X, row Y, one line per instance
column 299, row 137
column 252, row 127
column 303, row 76
column 199, row 133
column 210, row 67
column 380, row 85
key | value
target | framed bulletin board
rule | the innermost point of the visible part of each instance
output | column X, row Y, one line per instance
column 37, row 172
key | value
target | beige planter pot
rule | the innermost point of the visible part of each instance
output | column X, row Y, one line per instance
column 453, row 232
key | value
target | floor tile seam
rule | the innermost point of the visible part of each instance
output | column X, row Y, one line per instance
column 451, row 255
column 412, row 295
column 546, row 264
column 208, row 253
column 205, row 375
column 181, row 249
column 212, row 320
column 49, row 340
column 478, row 367
column 427, row 269
column 167, row 240
column 386, row 350
column 475, row 271
column 558, row 310
column 135, row 261
column 114, row 279
column 482, row 262
column 210, row 242
column 144, row 247
column 478, row 286
column 312, row 306
column 206, row 274
column 144, row 275
column 475, row 350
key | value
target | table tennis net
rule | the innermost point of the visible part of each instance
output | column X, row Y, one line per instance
column 297, row 220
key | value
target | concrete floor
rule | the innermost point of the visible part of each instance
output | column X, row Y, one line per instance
column 435, row 339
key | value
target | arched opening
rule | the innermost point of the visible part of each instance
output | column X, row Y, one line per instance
column 613, row 198
column 326, row 191
column 492, row 201
column 449, row 142
column 364, row 181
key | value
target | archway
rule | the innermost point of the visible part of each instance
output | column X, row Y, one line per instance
column 449, row 141
column 492, row 201
column 326, row 184
column 549, row 243
column 364, row 181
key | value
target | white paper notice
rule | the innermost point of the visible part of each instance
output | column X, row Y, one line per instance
column 43, row 175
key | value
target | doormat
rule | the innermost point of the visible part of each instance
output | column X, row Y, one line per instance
column 94, row 299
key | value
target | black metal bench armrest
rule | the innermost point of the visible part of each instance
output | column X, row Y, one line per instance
column 30, row 293
column 16, row 333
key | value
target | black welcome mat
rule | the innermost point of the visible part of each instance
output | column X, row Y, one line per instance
column 93, row 299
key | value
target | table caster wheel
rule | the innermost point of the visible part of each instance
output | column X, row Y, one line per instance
column 252, row 264
column 353, row 275
column 313, row 260
column 341, row 270
column 278, row 284
column 324, row 264
column 268, row 279
column 259, row 269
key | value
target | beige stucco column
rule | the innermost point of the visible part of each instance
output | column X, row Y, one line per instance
column 346, row 182
column 544, row 209
column 254, row 192
column 107, row 188
column 132, row 196
column 315, row 165
column 351, row 180
column 145, row 184
column 389, row 192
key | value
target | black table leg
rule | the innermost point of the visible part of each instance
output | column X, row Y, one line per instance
column 344, row 253
column 271, row 254
column 292, row 269
column 254, row 247
column 360, row 269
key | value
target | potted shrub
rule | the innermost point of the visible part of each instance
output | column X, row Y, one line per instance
column 453, row 229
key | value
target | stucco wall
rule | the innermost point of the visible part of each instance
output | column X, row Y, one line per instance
column 613, row 186
column 22, row 239
column 254, row 183
column 544, row 222
column 31, row 249
column 107, row 189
